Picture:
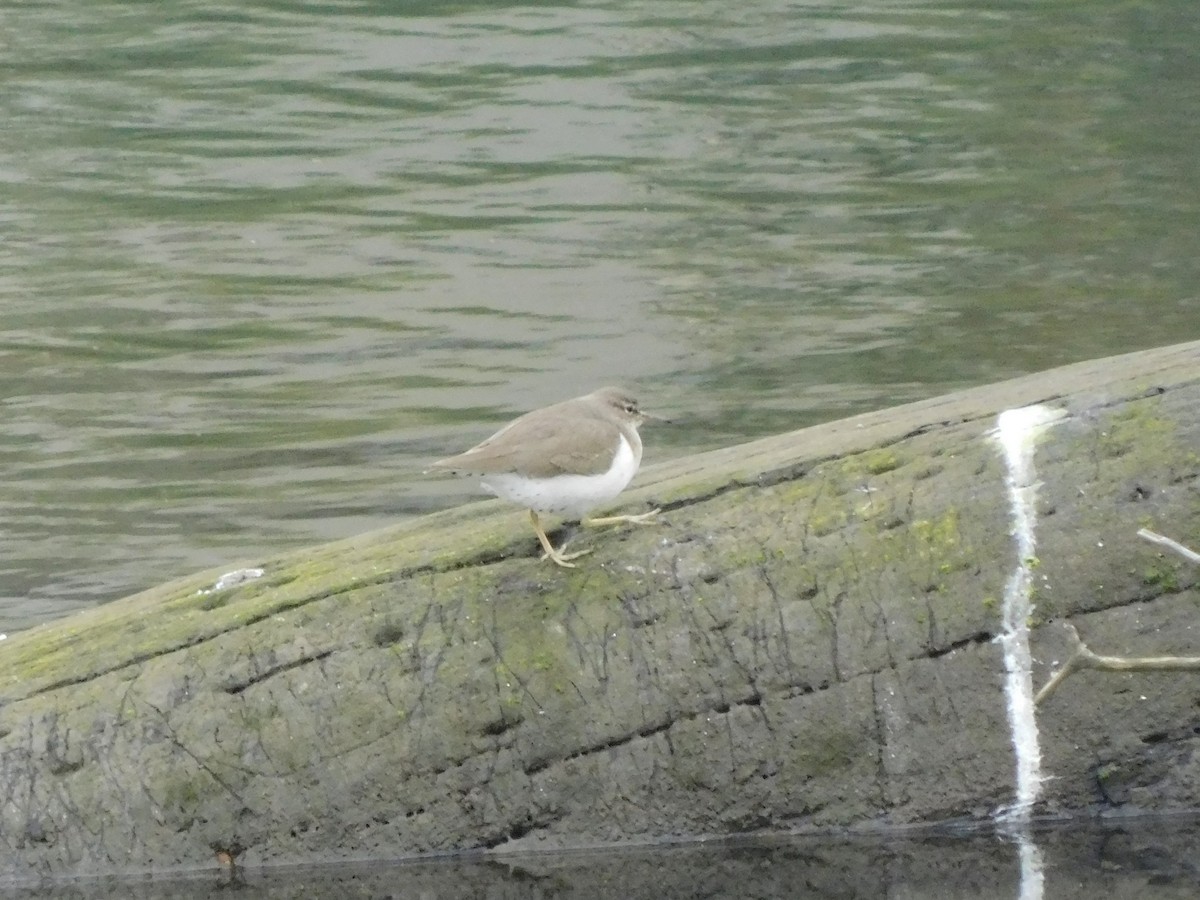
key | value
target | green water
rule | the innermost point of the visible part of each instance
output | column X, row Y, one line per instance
column 262, row 261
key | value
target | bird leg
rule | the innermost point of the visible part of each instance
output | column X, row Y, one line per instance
column 639, row 519
column 556, row 555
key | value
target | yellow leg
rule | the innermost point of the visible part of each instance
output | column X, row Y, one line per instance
column 556, row 555
column 640, row 519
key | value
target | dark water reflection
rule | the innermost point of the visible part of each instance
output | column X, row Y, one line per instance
column 1136, row 860
column 263, row 261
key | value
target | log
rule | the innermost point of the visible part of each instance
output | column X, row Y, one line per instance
column 806, row 642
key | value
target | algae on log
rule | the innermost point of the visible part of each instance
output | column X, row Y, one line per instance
column 806, row 640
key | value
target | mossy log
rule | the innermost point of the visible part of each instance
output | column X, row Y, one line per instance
column 805, row 641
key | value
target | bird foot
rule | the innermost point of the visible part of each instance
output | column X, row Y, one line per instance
column 562, row 559
column 556, row 556
column 646, row 518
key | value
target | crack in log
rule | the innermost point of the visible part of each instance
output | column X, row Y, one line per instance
column 882, row 776
column 646, row 731
column 498, row 654
column 619, row 741
column 238, row 686
column 173, row 738
column 979, row 637
column 778, row 607
column 516, row 831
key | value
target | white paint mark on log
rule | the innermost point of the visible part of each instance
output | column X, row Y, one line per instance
column 1033, row 879
column 1017, row 432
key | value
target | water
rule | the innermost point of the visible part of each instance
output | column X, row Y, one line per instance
column 262, row 261
column 1130, row 861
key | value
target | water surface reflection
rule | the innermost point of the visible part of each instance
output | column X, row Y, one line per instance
column 1125, row 861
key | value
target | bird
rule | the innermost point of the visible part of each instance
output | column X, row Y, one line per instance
column 564, row 460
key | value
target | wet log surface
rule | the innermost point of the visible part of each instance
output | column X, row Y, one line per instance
column 805, row 642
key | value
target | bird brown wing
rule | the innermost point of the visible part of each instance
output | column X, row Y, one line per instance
column 541, row 446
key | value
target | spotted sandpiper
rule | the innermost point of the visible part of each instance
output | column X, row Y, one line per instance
column 562, row 460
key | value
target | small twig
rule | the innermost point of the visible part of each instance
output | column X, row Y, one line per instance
column 1155, row 538
column 1084, row 658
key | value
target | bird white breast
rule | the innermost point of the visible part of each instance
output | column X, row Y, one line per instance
column 570, row 496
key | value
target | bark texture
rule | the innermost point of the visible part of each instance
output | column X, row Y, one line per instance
column 805, row 641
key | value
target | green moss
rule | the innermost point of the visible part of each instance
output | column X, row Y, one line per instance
column 179, row 614
column 1135, row 426
column 214, row 600
column 935, row 546
column 833, row 750
column 1162, row 575
column 876, row 462
column 183, row 792
column 940, row 535
column 869, row 463
column 827, row 523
